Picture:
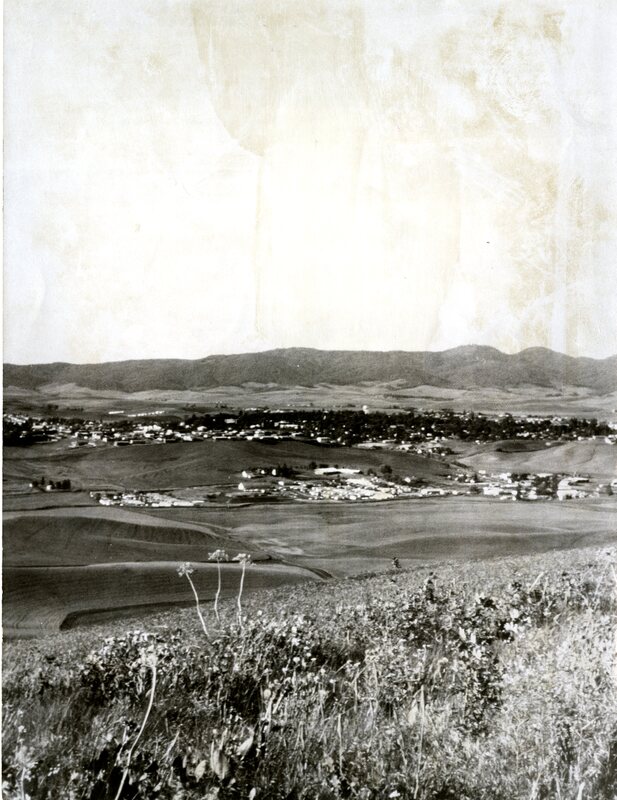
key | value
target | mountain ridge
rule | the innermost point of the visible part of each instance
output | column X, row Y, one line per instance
column 467, row 366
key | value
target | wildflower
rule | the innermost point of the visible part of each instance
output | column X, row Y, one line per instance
column 185, row 569
column 218, row 555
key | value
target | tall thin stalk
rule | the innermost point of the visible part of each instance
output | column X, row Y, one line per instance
column 244, row 559
column 420, row 743
column 218, row 592
column 218, row 556
column 152, row 663
column 185, row 570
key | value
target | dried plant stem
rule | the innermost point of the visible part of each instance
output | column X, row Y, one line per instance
column 22, row 784
column 218, row 593
column 240, row 593
column 339, row 731
column 418, row 764
column 141, row 730
column 201, row 617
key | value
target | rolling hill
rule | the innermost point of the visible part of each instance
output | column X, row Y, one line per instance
column 73, row 537
column 462, row 367
column 593, row 457
column 194, row 464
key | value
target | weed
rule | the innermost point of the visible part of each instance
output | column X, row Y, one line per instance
column 471, row 684
column 185, row 570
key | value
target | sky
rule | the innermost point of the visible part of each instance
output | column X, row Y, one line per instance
column 188, row 178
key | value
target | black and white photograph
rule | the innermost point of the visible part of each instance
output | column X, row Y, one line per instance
column 309, row 400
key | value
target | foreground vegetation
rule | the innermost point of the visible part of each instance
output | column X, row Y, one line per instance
column 477, row 681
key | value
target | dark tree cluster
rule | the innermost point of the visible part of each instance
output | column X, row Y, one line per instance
column 343, row 427
column 20, row 434
column 54, row 486
column 350, row 426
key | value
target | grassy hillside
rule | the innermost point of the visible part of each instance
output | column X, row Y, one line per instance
column 192, row 464
column 470, row 366
column 594, row 458
column 466, row 682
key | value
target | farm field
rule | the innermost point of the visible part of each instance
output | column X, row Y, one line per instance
column 112, row 560
column 221, row 462
column 27, row 500
column 80, row 536
column 571, row 400
column 349, row 538
column 191, row 464
column 595, row 458
column 69, row 561
column 38, row 601
column 66, row 556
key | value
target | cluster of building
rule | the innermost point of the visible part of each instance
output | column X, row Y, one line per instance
column 93, row 433
column 38, row 429
column 348, row 489
column 342, row 484
column 425, row 433
column 431, row 446
column 335, row 484
column 575, row 488
column 143, row 500
column 534, row 486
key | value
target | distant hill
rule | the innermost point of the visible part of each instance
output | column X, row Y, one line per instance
column 466, row 367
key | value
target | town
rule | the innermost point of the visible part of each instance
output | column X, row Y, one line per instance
column 436, row 435
column 342, row 484
column 426, row 432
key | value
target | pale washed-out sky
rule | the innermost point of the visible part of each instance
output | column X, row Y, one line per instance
column 186, row 178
